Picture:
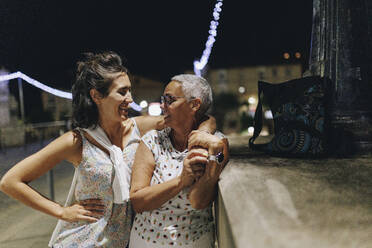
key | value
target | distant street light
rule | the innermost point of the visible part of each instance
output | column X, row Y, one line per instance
column 241, row 89
column 251, row 100
column 154, row 109
column 143, row 104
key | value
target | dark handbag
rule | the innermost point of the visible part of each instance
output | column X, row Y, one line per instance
column 299, row 110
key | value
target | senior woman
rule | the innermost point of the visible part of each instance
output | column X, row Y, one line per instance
column 172, row 188
column 102, row 148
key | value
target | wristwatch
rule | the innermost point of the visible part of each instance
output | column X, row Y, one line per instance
column 218, row 158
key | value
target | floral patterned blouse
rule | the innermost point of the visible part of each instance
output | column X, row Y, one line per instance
column 94, row 180
column 175, row 223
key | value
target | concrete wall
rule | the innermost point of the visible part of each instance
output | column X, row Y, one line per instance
column 272, row 202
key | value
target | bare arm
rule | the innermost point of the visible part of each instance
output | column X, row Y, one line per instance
column 15, row 181
column 147, row 123
column 207, row 124
column 146, row 197
column 204, row 191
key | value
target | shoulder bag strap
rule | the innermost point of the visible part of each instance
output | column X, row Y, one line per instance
column 257, row 120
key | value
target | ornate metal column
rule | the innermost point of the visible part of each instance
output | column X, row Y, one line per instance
column 341, row 49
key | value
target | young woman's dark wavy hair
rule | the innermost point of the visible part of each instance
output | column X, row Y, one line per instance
column 95, row 71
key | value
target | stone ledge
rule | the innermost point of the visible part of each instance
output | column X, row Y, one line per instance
column 276, row 202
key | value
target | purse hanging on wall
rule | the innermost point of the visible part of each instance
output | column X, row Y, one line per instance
column 299, row 110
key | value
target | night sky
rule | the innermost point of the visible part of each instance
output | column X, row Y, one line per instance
column 44, row 38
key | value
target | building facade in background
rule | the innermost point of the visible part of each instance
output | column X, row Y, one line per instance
column 239, row 85
column 145, row 89
column 59, row 108
column 242, row 81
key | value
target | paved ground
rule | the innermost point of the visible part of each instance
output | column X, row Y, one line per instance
column 299, row 203
column 21, row 226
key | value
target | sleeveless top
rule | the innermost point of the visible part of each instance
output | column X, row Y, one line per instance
column 93, row 179
column 176, row 223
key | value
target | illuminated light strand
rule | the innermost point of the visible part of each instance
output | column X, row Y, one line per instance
column 200, row 64
column 48, row 89
column 135, row 106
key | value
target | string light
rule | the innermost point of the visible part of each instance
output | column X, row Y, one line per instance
column 48, row 89
column 199, row 65
column 135, row 106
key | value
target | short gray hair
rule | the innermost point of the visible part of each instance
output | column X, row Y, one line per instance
column 193, row 87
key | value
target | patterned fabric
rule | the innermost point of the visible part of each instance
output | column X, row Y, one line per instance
column 94, row 180
column 307, row 110
column 299, row 110
column 176, row 223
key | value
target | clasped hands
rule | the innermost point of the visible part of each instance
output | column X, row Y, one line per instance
column 196, row 165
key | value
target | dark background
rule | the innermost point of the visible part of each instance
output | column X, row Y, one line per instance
column 45, row 38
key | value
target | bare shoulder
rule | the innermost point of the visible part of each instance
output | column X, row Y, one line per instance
column 70, row 139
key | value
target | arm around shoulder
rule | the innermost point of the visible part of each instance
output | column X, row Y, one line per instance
column 208, row 124
column 147, row 123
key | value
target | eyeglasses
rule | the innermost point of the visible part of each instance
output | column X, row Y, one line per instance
column 168, row 100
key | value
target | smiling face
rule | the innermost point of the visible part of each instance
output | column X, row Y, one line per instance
column 178, row 112
column 114, row 107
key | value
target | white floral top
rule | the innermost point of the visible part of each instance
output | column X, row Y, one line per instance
column 94, row 180
column 176, row 223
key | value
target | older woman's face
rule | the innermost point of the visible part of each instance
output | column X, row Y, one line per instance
column 114, row 107
column 176, row 109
